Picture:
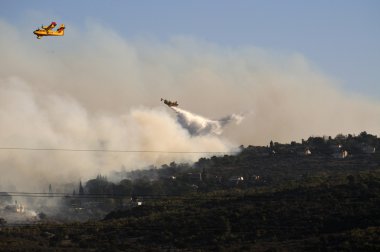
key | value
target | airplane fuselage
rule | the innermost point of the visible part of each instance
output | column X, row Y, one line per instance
column 47, row 33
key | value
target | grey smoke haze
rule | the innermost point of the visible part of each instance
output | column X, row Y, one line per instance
column 93, row 89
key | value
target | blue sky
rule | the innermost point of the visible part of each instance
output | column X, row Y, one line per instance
column 341, row 38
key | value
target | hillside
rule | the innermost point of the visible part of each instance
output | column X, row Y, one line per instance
column 326, row 215
column 276, row 198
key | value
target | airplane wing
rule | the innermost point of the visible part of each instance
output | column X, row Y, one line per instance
column 51, row 26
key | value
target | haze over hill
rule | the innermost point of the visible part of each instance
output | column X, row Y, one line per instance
column 97, row 90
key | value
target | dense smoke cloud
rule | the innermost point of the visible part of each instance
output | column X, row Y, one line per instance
column 58, row 122
column 94, row 89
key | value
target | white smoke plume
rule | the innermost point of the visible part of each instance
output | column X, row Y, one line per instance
column 198, row 125
column 93, row 89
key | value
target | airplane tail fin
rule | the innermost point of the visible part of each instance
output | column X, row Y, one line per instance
column 61, row 29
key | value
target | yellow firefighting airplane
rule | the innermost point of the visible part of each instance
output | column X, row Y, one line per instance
column 170, row 103
column 48, row 30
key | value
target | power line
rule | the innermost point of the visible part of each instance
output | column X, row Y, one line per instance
column 87, row 195
column 116, row 151
column 261, row 196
